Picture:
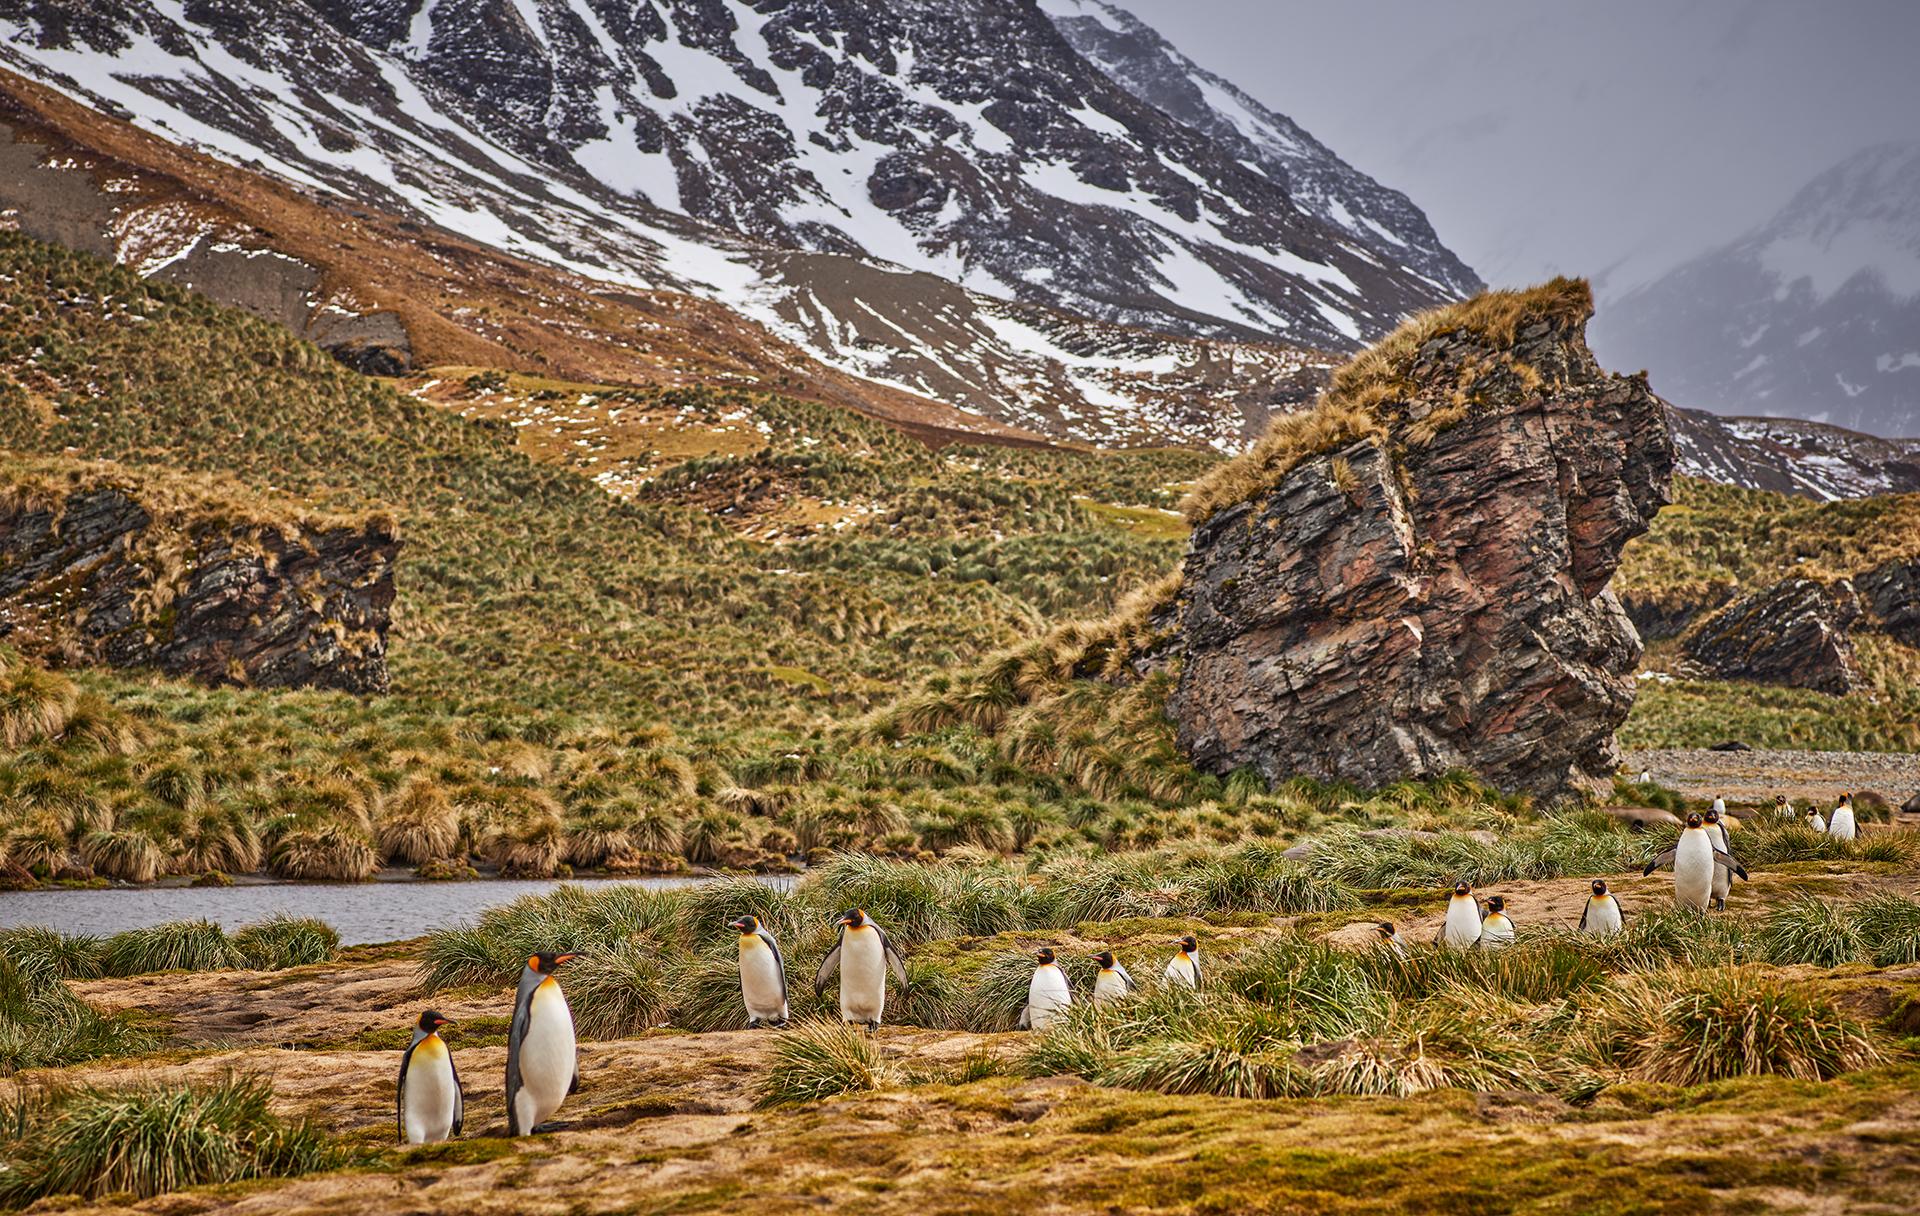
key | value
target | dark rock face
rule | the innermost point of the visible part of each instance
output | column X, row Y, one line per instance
column 1401, row 609
column 1891, row 593
column 1794, row 633
column 95, row 577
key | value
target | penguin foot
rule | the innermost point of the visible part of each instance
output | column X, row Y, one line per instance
column 779, row 1025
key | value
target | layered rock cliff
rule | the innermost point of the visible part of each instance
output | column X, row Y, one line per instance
column 1413, row 577
column 102, row 565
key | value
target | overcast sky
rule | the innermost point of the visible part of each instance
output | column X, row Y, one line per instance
column 1610, row 138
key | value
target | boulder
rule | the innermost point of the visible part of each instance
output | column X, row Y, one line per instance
column 1420, row 583
column 1641, row 818
column 1793, row 633
column 102, row 565
column 1890, row 594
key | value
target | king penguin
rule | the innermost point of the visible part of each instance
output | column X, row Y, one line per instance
column 1816, row 820
column 1722, row 878
column 1694, row 859
column 1461, row 929
column 1840, row 824
column 1184, row 967
column 431, row 1103
column 1048, row 997
column 1719, row 805
column 1496, row 929
column 1113, row 982
column 763, row 974
column 1391, row 939
column 543, row 1066
column 1601, row 916
column 1782, row 809
column 862, row 956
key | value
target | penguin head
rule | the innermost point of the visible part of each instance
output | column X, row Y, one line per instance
column 546, row 962
column 1189, row 943
column 1845, row 800
column 1045, row 955
column 1386, row 930
column 1105, row 959
column 1496, row 903
column 1693, row 819
column 431, row 1021
column 1462, row 890
column 1712, row 816
column 746, row 926
column 852, row 918
column 1599, row 887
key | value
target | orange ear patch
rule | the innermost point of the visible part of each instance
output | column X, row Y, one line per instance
column 533, row 961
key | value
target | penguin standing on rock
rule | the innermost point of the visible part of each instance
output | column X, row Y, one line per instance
column 1461, row 929
column 1602, row 915
column 543, row 1061
column 1840, row 826
column 1496, row 929
column 1391, row 939
column 1184, row 967
column 1113, row 982
column 431, row 1103
column 1694, row 860
column 763, row 974
column 863, row 955
column 1048, row 997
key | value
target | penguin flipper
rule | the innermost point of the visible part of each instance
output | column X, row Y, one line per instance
column 516, row 1034
column 573, row 1086
column 1026, row 1018
column 827, row 967
column 400, row 1093
column 895, row 960
column 459, row 1097
column 1728, row 862
column 1664, row 859
column 779, row 963
column 1584, row 909
column 1125, row 978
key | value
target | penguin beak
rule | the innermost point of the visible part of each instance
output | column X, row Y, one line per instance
column 442, row 1022
column 562, row 958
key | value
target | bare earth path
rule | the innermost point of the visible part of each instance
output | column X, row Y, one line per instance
column 1756, row 776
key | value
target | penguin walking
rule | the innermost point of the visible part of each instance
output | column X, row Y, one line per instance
column 1602, row 915
column 1184, row 967
column 1722, row 877
column 431, row 1103
column 1048, row 997
column 863, row 956
column 543, row 1062
column 1694, row 859
column 1461, row 929
column 1816, row 820
column 1840, row 826
column 1113, row 983
column 763, row 974
column 1391, row 939
column 1496, row 928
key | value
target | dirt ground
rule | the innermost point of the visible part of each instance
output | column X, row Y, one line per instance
column 1756, row 776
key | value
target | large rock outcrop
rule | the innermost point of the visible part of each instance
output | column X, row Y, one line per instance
column 1891, row 595
column 1414, row 578
column 100, row 565
column 1793, row 633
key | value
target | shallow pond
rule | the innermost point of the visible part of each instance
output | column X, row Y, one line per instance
column 379, row 911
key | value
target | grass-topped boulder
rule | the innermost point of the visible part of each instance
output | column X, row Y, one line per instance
column 1412, row 577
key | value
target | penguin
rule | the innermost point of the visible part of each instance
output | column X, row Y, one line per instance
column 1461, row 929
column 1694, row 859
column 1646, row 777
column 1816, row 820
column 1840, row 825
column 1602, row 915
column 543, row 1065
column 862, row 955
column 1391, row 939
column 1113, row 982
column 1722, row 879
column 431, row 1103
column 763, row 974
column 1184, row 969
column 1719, row 805
column 1782, row 808
column 1048, row 997
column 1496, row 929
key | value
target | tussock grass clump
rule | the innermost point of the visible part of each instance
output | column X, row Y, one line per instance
column 1889, row 928
column 286, row 941
column 128, row 854
column 621, row 989
column 332, row 852
column 1665, row 936
column 419, row 825
column 1811, row 930
column 185, row 945
column 920, row 903
column 1690, row 1027
column 818, row 1059
column 39, row 950
column 1566, row 846
column 1321, row 992
column 494, row 949
column 43, row 1025
column 149, row 1141
column 1465, row 1040
column 1534, row 970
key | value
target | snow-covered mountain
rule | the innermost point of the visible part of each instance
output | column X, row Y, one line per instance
column 1793, row 456
column 1816, row 314
column 1145, row 64
column 885, row 185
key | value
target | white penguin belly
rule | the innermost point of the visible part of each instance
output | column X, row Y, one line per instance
column 1108, row 987
column 760, row 983
column 431, row 1093
column 1180, row 971
column 1603, row 916
column 863, row 976
column 547, row 1057
column 1463, row 924
column 1047, row 997
column 1693, row 870
column 1842, row 825
column 1496, row 931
